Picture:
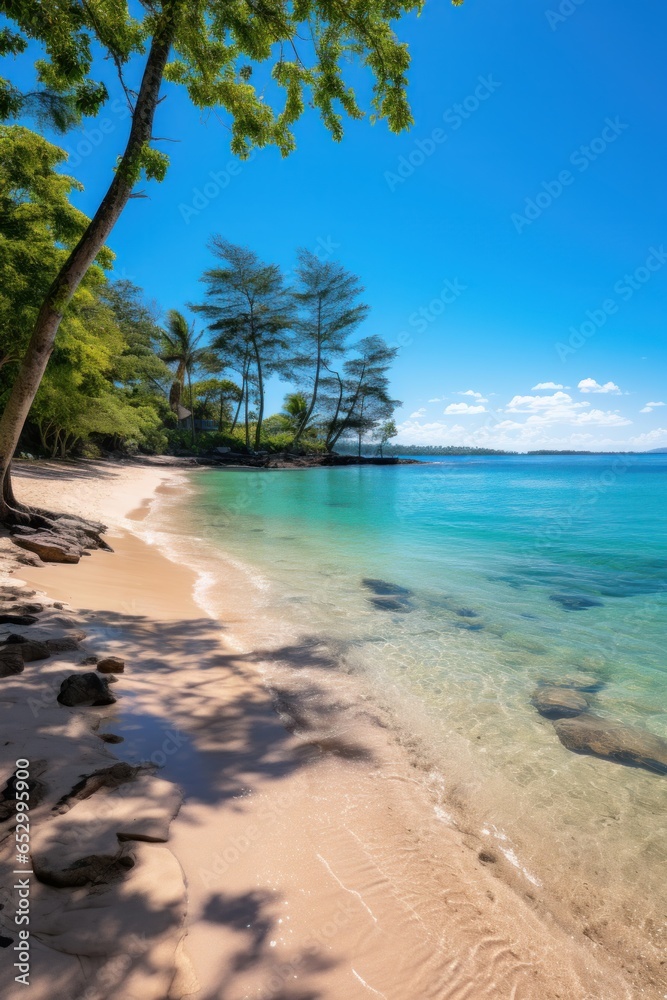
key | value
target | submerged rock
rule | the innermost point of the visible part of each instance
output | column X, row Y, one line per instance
column 578, row 682
column 384, row 588
column 559, row 702
column 466, row 613
column 589, row 734
column 575, row 602
column 81, row 689
column 400, row 604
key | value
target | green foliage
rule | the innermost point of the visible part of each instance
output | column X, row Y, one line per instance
column 295, row 50
column 38, row 226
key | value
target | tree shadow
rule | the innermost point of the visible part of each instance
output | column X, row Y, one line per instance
column 216, row 748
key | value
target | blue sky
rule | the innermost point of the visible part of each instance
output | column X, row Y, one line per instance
column 515, row 238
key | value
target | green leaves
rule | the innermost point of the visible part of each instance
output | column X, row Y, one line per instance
column 259, row 62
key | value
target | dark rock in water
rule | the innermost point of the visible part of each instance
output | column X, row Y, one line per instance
column 13, row 638
column 383, row 588
column 578, row 682
column 574, row 602
column 470, row 626
column 11, row 661
column 81, row 689
column 111, row 665
column 466, row 613
column 17, row 619
column 559, row 702
column 400, row 604
column 589, row 734
column 90, row 660
column 111, row 738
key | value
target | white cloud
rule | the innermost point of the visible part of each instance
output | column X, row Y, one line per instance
column 656, row 438
column 649, row 408
column 590, row 385
column 417, row 414
column 475, row 395
column 532, row 404
column 464, row 408
column 438, row 399
column 547, row 385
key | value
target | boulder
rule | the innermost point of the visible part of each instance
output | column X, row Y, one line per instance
column 466, row 613
column 17, row 619
column 82, row 689
column 11, row 661
column 384, row 588
column 559, row 702
column 589, row 734
column 66, row 644
column 13, row 638
column 33, row 650
column 111, row 665
column 50, row 547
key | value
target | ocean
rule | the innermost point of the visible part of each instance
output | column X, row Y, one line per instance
column 453, row 588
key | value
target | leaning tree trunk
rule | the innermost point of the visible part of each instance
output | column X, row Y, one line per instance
column 41, row 344
column 260, row 409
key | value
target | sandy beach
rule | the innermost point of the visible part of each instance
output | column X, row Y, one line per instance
column 285, row 848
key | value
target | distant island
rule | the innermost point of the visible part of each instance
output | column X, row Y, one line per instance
column 437, row 450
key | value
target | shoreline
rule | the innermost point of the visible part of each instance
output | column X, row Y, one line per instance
column 311, row 852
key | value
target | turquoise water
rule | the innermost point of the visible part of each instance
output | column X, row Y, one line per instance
column 484, row 558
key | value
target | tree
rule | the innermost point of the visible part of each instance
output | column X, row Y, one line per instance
column 181, row 347
column 387, row 431
column 328, row 297
column 249, row 312
column 360, row 397
column 211, row 399
column 216, row 46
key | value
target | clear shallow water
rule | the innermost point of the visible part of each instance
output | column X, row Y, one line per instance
column 481, row 547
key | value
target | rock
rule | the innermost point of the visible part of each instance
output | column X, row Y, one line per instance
column 33, row 650
column 88, row 842
column 17, row 619
column 466, row 613
column 106, row 777
column 67, row 644
column 24, row 609
column 11, row 661
column 81, row 689
column 383, row 588
column 578, row 682
column 90, row 660
column 49, row 547
column 36, row 790
column 589, row 734
column 13, row 638
column 559, row 702
column 574, row 602
column 111, row 665
column 111, row 738
column 400, row 604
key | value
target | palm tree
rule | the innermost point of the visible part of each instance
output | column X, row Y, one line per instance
column 180, row 347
